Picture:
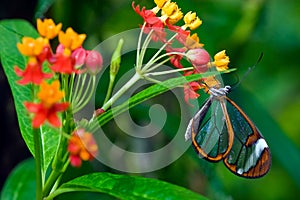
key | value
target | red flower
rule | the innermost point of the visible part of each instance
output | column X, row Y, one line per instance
column 181, row 34
column 148, row 15
column 175, row 59
column 190, row 91
column 45, row 54
column 82, row 146
column 43, row 113
column 158, row 33
column 152, row 23
column 63, row 64
column 32, row 74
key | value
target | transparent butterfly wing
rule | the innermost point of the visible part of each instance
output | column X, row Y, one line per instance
column 250, row 155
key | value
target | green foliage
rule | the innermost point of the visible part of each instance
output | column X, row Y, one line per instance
column 11, row 32
column 21, row 182
column 151, row 92
column 270, row 94
column 126, row 187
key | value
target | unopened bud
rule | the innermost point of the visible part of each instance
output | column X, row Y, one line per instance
column 93, row 62
column 116, row 59
column 199, row 58
column 79, row 55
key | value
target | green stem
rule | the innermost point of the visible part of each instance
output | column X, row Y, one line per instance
column 50, row 181
column 38, row 163
column 139, row 46
column 144, row 49
column 132, row 81
column 168, row 71
column 66, row 190
column 150, row 62
column 59, row 167
column 110, row 87
column 60, row 160
column 79, row 105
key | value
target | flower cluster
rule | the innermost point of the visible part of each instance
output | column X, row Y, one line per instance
column 82, row 146
column 52, row 75
column 49, row 97
column 165, row 15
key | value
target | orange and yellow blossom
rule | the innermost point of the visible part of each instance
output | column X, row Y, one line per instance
column 30, row 46
column 70, row 39
column 49, row 96
column 50, row 93
column 82, row 146
column 47, row 28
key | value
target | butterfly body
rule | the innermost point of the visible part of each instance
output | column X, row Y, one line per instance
column 220, row 130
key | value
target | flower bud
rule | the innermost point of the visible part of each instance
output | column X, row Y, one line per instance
column 93, row 61
column 221, row 61
column 60, row 49
column 116, row 59
column 79, row 55
column 198, row 57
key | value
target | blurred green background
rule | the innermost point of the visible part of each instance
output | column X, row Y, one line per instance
column 269, row 94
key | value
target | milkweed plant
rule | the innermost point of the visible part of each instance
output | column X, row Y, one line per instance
column 53, row 77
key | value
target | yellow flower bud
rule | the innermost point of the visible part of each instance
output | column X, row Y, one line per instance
column 171, row 10
column 160, row 3
column 192, row 42
column 221, row 61
column 191, row 20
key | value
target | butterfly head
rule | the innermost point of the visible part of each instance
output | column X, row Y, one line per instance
column 219, row 92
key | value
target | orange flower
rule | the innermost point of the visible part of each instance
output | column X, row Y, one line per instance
column 82, row 146
column 47, row 28
column 70, row 39
column 31, row 47
column 50, row 94
column 47, row 109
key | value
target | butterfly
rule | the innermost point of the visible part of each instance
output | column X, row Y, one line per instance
column 220, row 130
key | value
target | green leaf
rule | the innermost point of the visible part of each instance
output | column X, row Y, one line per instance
column 21, row 182
column 126, row 187
column 11, row 32
column 151, row 92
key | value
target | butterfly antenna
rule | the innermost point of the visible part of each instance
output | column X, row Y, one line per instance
column 248, row 71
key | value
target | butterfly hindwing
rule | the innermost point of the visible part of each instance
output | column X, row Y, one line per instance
column 250, row 155
column 220, row 130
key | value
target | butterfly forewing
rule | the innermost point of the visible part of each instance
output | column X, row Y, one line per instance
column 250, row 155
column 209, row 137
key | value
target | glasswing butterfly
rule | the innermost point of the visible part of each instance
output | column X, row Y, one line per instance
column 220, row 130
